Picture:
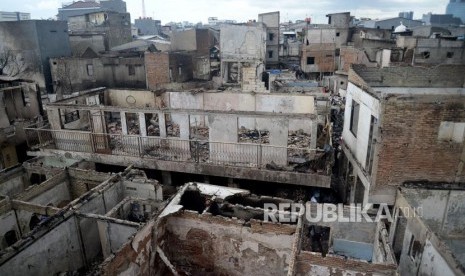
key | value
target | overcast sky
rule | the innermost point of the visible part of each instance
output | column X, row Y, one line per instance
column 243, row 10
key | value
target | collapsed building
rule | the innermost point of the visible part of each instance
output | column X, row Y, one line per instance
column 265, row 137
column 243, row 58
column 74, row 217
column 123, row 223
column 20, row 106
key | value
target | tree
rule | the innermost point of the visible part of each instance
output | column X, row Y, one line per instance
column 11, row 64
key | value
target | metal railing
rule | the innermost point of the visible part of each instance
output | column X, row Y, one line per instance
column 175, row 149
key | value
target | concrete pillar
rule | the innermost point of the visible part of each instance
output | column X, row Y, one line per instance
column 98, row 121
column 162, row 124
column 142, row 125
column 239, row 72
column 124, row 126
column 166, row 178
column 54, row 118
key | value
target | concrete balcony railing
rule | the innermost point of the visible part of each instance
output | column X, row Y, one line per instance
column 174, row 149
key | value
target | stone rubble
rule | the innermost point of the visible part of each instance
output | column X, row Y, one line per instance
column 246, row 135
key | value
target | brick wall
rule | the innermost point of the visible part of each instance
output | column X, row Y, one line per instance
column 221, row 246
column 157, row 69
column 82, row 181
column 351, row 55
column 409, row 145
column 251, row 81
column 324, row 58
column 308, row 263
column 179, row 61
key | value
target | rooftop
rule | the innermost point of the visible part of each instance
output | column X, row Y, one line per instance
column 81, row 5
column 440, row 76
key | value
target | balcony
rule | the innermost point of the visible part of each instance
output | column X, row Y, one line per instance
column 175, row 149
column 291, row 165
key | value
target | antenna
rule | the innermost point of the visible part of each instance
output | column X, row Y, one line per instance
column 143, row 8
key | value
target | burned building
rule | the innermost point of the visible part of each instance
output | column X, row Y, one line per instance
column 322, row 44
column 30, row 44
column 163, row 68
column 76, row 217
column 428, row 236
column 277, row 138
column 401, row 124
column 243, row 56
column 198, row 44
column 20, row 106
column 73, row 74
column 271, row 21
column 100, row 31
column 119, row 223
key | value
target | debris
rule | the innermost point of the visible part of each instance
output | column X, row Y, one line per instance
column 274, row 166
column 298, row 139
column 153, row 126
column 317, row 165
column 253, row 136
column 199, row 132
column 172, row 129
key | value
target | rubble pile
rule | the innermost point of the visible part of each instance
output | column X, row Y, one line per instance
column 199, row 132
column 253, row 136
column 153, row 126
column 301, row 142
column 202, row 149
column 155, row 151
column 296, row 194
column 114, row 127
column 172, row 129
column 133, row 126
column 337, row 118
column 298, row 139
column 319, row 164
column 160, row 151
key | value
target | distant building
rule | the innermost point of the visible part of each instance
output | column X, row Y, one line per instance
column 389, row 23
column 457, row 9
column 441, row 19
column 216, row 21
column 14, row 16
column 113, row 5
column 407, row 15
column 148, row 26
column 322, row 43
column 85, row 7
column 271, row 20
